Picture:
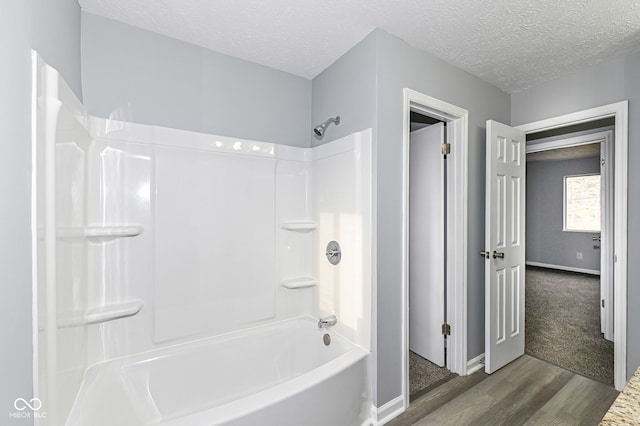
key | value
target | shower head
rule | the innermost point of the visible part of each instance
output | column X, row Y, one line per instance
column 319, row 129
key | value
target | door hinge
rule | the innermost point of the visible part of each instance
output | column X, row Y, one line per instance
column 445, row 149
column 603, row 303
column 446, row 329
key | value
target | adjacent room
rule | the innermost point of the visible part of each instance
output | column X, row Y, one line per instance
column 569, row 250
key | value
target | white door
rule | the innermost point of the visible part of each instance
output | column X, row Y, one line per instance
column 426, row 243
column 504, row 245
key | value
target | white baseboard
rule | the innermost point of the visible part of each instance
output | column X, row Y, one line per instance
column 564, row 268
column 475, row 364
column 388, row 411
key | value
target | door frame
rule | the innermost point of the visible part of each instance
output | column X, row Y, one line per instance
column 457, row 240
column 606, row 267
column 620, row 111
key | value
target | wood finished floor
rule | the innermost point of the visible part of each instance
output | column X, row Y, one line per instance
column 526, row 392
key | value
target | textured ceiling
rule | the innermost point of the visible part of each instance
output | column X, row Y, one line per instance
column 512, row 44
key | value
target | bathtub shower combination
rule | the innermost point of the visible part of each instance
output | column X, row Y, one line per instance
column 184, row 279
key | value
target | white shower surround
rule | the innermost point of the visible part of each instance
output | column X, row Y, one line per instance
column 305, row 198
column 149, row 237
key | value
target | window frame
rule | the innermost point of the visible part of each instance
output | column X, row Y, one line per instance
column 564, row 203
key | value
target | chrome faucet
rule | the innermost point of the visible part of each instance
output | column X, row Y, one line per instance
column 329, row 321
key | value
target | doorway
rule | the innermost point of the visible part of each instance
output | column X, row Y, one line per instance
column 427, row 213
column 427, row 245
column 619, row 111
column 569, row 259
column 454, row 265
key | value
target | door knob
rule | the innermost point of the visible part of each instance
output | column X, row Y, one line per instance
column 497, row 254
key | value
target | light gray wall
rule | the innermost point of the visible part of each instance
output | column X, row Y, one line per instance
column 373, row 98
column 139, row 76
column 599, row 85
column 546, row 241
column 53, row 28
column 347, row 88
column 400, row 66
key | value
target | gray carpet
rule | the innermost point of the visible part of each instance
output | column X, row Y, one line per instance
column 424, row 376
column 562, row 322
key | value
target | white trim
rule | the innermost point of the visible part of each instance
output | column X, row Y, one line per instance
column 457, row 239
column 563, row 268
column 606, row 246
column 569, row 142
column 475, row 364
column 388, row 411
column 578, row 117
column 620, row 111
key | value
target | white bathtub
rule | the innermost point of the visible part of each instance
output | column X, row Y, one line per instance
column 277, row 374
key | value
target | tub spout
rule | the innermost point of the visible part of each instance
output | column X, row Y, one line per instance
column 329, row 321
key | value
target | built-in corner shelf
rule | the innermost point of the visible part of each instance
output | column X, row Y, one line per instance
column 105, row 233
column 299, row 225
column 101, row 314
column 299, row 282
column 100, row 233
column 113, row 312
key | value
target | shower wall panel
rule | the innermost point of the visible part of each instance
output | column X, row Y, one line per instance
column 120, row 269
column 212, row 252
column 215, row 239
column 71, row 253
column 342, row 194
column 60, row 145
column 295, row 249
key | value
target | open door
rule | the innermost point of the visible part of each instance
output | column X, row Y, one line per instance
column 504, row 245
column 426, row 244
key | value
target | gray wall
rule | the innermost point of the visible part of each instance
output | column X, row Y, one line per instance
column 546, row 241
column 599, row 85
column 136, row 75
column 53, row 28
column 398, row 65
column 347, row 88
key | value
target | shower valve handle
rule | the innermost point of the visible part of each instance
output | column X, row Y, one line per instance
column 332, row 252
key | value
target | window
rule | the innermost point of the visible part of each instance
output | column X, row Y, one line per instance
column 582, row 203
